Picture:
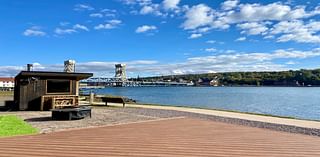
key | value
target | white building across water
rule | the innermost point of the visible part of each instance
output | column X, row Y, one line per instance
column 6, row 83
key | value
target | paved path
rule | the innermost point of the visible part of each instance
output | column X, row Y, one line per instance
column 250, row 117
column 166, row 138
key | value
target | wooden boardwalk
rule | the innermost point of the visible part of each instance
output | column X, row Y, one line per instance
column 172, row 137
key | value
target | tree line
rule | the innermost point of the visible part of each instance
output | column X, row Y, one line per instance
column 283, row 78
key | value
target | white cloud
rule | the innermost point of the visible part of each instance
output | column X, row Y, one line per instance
column 214, row 42
column 139, row 2
column 211, row 41
column 64, row 23
column 80, row 27
column 249, row 61
column 241, row 39
column 99, row 15
column 251, row 18
column 197, row 16
column 104, row 26
column 10, row 71
column 115, row 22
column 194, row 36
column 108, row 12
column 60, row 31
column 83, row 7
column 291, row 63
column 145, row 28
column 147, row 10
column 274, row 11
column 297, row 31
column 170, row 4
column 151, row 9
column 253, row 28
column 165, row 9
column 229, row 4
column 210, row 50
column 301, row 37
column 111, row 24
column 34, row 31
column 217, row 62
column 74, row 29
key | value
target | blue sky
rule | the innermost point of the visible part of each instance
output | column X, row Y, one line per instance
column 159, row 37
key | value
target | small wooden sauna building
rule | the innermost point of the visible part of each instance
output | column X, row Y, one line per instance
column 38, row 90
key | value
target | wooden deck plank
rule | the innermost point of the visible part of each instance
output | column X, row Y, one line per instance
column 173, row 137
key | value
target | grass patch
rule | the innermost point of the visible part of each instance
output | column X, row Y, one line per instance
column 6, row 93
column 11, row 125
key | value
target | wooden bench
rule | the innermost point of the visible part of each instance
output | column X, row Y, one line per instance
column 114, row 100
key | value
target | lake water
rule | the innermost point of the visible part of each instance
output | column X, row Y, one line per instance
column 283, row 101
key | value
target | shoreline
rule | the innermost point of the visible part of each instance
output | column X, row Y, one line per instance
column 307, row 127
column 225, row 110
column 202, row 108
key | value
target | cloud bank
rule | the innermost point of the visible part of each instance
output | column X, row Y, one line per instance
column 232, row 61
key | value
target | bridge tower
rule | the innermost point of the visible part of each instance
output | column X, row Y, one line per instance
column 69, row 66
column 120, row 74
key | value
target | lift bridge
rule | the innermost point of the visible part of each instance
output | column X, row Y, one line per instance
column 120, row 80
column 104, row 81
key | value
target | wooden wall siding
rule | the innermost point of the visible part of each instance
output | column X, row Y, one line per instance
column 74, row 87
column 30, row 94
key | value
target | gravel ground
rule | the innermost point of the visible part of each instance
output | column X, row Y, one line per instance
column 100, row 116
column 113, row 115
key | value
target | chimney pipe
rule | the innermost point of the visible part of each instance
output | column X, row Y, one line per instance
column 29, row 67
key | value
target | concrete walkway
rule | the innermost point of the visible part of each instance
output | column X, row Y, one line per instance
column 178, row 137
column 250, row 117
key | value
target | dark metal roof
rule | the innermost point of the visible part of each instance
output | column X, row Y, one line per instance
column 47, row 74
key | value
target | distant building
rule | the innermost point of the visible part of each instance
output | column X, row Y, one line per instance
column 6, row 83
column 204, row 82
column 214, row 83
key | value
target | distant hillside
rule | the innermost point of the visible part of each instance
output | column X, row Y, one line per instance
column 284, row 78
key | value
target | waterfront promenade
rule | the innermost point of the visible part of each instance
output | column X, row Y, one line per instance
column 268, row 122
column 238, row 115
column 170, row 137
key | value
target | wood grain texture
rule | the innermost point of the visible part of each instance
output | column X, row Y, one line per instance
column 169, row 138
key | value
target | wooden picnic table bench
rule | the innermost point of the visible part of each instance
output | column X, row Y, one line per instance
column 114, row 100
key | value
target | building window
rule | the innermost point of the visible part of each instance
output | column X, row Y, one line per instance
column 58, row 86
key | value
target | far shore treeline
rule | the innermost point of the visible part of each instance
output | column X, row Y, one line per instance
column 283, row 78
